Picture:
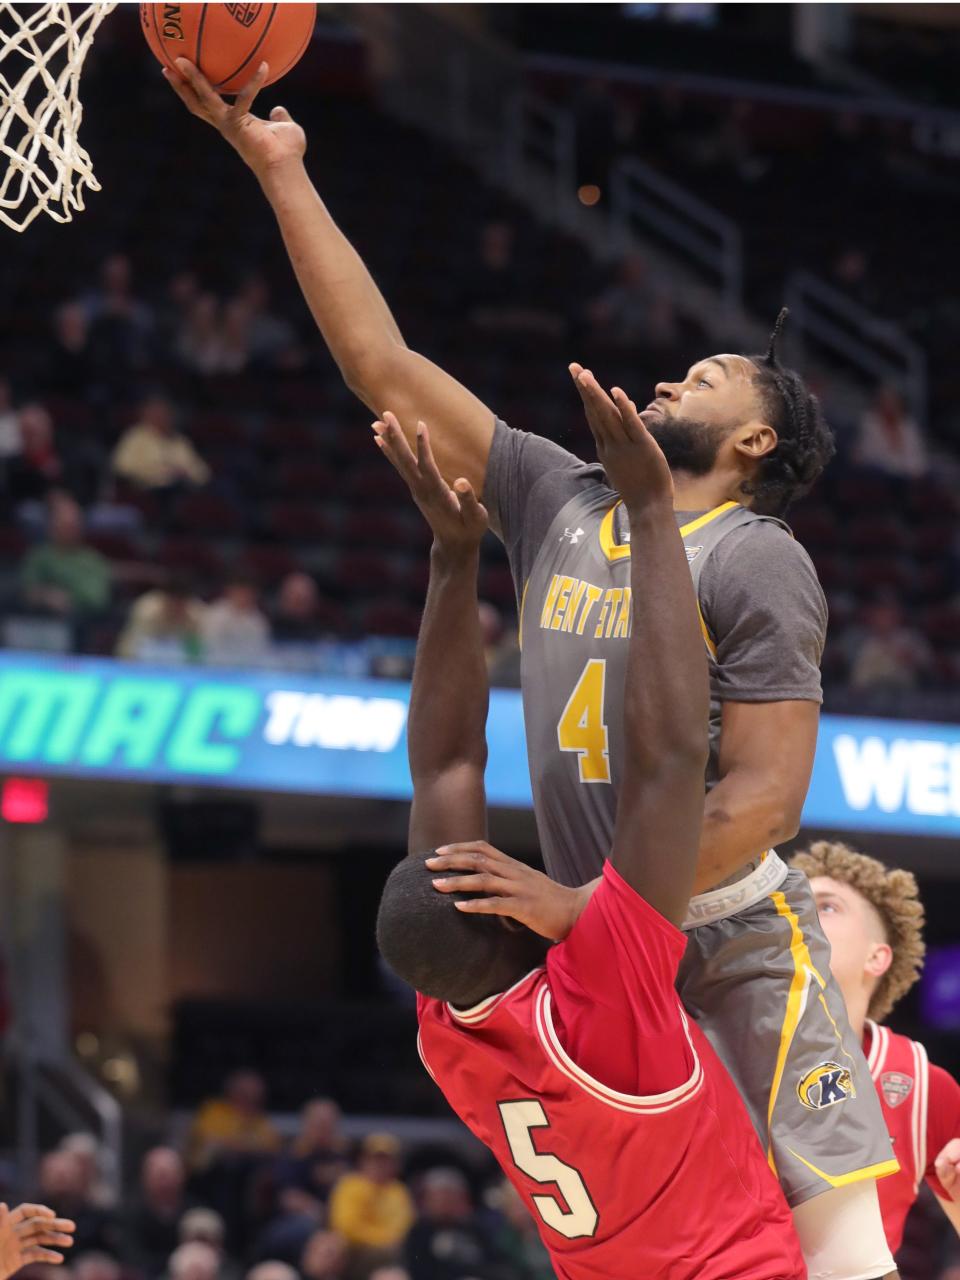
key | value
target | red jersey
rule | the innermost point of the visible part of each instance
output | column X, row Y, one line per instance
column 921, row 1108
column 610, row 1113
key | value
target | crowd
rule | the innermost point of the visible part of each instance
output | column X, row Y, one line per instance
column 235, row 1201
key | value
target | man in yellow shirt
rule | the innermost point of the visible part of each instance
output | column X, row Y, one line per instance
column 152, row 454
column 371, row 1208
column 234, row 1125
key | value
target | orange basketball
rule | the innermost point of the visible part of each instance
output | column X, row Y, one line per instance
column 229, row 41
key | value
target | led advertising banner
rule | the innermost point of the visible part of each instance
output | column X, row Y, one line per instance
column 98, row 718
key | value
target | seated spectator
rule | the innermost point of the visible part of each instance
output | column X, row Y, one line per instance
column 95, row 1266
column 9, row 421
column 235, row 337
column 121, row 324
column 272, row 1270
column 199, row 342
column 152, row 454
column 492, row 296
column 516, row 1237
column 273, row 340
column 303, row 1177
column 206, row 1226
column 164, row 624
column 63, row 1185
column 36, row 467
column 234, row 630
column 324, row 1257
column 70, row 367
column 389, row 1273
column 449, row 1241
column 92, row 1158
column 890, row 438
column 235, row 1124
column 891, row 654
column 152, row 1227
column 371, row 1208
column 63, row 575
column 296, row 615
column 194, row 1261
column 634, row 309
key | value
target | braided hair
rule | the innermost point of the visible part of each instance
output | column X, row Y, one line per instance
column 805, row 442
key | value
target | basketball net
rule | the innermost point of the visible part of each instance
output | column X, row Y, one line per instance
column 42, row 48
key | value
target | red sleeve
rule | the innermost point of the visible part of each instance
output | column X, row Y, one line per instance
column 943, row 1122
column 615, row 1007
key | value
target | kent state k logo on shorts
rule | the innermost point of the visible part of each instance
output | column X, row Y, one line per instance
column 827, row 1084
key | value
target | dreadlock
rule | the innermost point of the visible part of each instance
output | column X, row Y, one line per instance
column 805, row 441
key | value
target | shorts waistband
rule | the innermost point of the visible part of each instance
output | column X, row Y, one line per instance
column 717, row 904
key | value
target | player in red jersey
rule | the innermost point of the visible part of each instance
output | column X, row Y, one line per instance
column 574, row 1062
column 873, row 919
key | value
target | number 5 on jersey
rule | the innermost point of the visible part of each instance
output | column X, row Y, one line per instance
column 581, row 727
column 579, row 1218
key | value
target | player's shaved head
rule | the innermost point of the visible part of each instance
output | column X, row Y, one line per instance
column 440, row 951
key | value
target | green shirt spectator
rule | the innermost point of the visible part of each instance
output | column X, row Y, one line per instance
column 64, row 575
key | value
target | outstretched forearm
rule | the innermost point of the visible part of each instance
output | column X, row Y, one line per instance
column 446, row 730
column 350, row 311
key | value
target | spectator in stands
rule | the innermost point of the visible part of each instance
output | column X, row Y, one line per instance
column 201, row 1225
column 233, row 629
column 324, row 1257
column 272, row 1270
column 371, row 1208
column 516, row 1237
column 303, row 1178
column 62, row 1184
column 235, row 337
column 166, row 623
column 199, row 342
column 90, row 1153
column 389, row 1273
column 70, row 368
column 234, row 1124
column 494, row 298
column 273, row 340
column 9, row 421
column 448, row 1241
column 296, row 618
column 890, row 438
column 891, row 654
column 160, row 1203
column 181, row 293
column 121, row 324
column 95, row 1266
column 194, row 1261
column 153, row 455
column 36, row 467
column 63, row 575
column 633, row 309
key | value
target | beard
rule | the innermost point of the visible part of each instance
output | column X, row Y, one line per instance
column 687, row 445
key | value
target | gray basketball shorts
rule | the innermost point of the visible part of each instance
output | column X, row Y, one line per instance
column 759, row 985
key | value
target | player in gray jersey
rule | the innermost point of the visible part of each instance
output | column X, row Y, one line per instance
column 743, row 437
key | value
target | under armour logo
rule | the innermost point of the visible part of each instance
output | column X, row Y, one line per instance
column 572, row 535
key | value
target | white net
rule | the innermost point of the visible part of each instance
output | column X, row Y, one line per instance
column 43, row 168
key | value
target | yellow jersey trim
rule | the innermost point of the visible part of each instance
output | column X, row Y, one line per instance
column 881, row 1170
column 613, row 551
column 803, row 970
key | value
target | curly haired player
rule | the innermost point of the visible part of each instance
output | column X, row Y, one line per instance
column 873, row 919
column 743, row 437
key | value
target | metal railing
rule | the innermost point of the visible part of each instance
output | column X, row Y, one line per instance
column 644, row 201
column 876, row 349
column 66, row 1097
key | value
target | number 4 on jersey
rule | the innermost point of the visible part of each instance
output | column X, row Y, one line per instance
column 580, row 1217
column 581, row 728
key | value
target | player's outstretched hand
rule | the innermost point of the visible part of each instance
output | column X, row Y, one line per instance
column 456, row 516
column 31, row 1233
column 630, row 456
column 948, row 1168
column 263, row 144
column 505, row 887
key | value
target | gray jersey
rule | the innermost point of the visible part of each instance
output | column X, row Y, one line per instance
column 569, row 550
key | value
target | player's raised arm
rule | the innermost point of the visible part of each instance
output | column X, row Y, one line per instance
column 349, row 309
column 666, row 699
column 446, row 729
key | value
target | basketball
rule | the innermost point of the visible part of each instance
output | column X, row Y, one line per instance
column 229, row 41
